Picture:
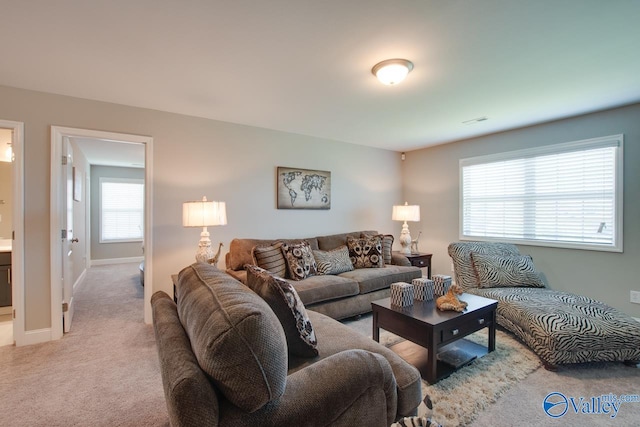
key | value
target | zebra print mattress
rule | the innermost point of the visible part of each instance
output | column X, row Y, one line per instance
column 565, row 328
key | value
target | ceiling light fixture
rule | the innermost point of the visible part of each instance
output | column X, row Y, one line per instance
column 392, row 71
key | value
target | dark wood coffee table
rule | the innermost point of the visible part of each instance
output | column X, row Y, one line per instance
column 435, row 343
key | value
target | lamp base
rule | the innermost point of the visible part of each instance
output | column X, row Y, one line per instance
column 405, row 240
column 205, row 253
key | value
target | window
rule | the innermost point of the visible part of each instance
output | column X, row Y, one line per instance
column 566, row 195
column 121, row 210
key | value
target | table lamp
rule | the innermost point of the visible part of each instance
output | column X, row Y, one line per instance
column 405, row 213
column 203, row 213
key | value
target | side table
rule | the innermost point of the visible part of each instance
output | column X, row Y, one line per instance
column 421, row 260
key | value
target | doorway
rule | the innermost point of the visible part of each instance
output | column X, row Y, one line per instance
column 11, row 233
column 83, row 142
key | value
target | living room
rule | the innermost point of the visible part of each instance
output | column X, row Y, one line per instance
column 197, row 156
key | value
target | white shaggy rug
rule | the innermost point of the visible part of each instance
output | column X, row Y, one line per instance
column 458, row 399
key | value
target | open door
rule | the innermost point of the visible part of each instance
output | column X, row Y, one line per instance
column 67, row 239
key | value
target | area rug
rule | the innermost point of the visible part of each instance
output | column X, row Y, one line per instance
column 458, row 399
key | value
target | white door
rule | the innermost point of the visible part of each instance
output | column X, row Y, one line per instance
column 66, row 244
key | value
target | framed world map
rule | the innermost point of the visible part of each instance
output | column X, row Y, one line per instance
column 303, row 188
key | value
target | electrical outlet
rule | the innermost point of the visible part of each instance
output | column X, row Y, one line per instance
column 635, row 297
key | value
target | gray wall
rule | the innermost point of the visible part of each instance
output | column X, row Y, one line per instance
column 430, row 178
column 195, row 157
column 110, row 250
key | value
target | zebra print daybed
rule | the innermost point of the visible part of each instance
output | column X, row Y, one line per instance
column 559, row 327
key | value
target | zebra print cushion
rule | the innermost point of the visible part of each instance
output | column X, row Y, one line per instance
column 335, row 261
column 460, row 254
column 565, row 328
column 499, row 271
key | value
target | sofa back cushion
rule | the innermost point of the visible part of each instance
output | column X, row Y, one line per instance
column 237, row 339
column 326, row 243
column 460, row 253
column 240, row 250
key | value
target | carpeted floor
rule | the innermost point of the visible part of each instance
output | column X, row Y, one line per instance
column 104, row 372
column 507, row 387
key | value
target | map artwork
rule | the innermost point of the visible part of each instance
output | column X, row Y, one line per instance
column 303, row 189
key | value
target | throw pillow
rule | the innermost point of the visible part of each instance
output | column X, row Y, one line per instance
column 270, row 258
column 365, row 252
column 335, row 261
column 300, row 261
column 286, row 304
column 502, row 271
column 387, row 246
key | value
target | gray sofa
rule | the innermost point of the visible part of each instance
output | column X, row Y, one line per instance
column 338, row 296
column 225, row 362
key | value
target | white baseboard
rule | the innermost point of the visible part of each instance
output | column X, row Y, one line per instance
column 80, row 279
column 108, row 261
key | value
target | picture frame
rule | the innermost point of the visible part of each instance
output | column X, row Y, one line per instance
column 77, row 185
column 299, row 188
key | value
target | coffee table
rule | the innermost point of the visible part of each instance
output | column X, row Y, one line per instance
column 435, row 345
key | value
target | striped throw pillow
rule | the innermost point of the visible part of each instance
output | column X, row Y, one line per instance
column 335, row 261
column 270, row 258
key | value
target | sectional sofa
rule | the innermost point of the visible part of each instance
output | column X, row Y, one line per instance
column 340, row 295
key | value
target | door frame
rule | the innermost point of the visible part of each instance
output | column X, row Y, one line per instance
column 17, row 245
column 57, row 133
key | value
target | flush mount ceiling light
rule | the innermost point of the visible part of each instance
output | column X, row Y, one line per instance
column 392, row 71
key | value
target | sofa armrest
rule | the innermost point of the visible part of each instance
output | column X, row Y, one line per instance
column 399, row 259
column 190, row 397
column 353, row 387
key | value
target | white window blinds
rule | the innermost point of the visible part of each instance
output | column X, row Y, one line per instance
column 566, row 195
column 121, row 209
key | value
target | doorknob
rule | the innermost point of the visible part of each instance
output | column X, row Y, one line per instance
column 74, row 240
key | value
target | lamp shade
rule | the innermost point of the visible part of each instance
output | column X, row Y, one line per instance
column 406, row 213
column 203, row 213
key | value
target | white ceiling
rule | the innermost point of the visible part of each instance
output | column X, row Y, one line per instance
column 304, row 66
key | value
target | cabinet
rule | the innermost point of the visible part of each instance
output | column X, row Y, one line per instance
column 5, row 279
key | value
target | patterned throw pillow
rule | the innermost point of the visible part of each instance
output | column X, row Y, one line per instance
column 366, row 252
column 286, row 304
column 300, row 261
column 270, row 258
column 387, row 245
column 335, row 261
column 505, row 271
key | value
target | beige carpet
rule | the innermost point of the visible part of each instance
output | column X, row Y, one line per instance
column 104, row 372
column 507, row 387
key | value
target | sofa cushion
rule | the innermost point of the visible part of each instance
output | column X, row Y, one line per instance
column 495, row 271
column 285, row 303
column 236, row 337
column 335, row 337
column 240, row 250
column 335, row 261
column 460, row 253
column 366, row 252
column 300, row 261
column 372, row 279
column 387, row 246
column 320, row 288
column 270, row 258
column 326, row 243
